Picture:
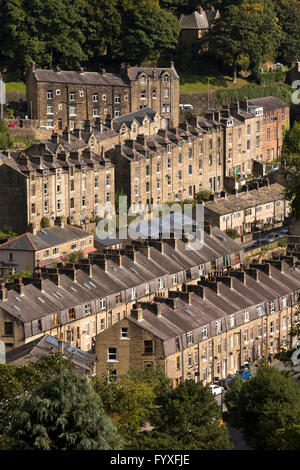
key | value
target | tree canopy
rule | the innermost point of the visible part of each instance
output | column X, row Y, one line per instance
column 63, row 413
column 190, row 416
column 245, row 34
column 267, row 408
column 291, row 169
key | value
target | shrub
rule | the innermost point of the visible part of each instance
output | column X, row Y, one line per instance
column 232, row 233
column 45, row 222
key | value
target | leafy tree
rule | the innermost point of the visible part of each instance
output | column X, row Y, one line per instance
column 288, row 13
column 130, row 401
column 147, row 31
column 265, row 407
column 189, row 414
column 16, row 380
column 246, row 33
column 63, row 413
column 291, row 169
column 6, row 140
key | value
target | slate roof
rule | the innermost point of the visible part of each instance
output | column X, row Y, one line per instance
column 268, row 103
column 244, row 200
column 45, row 238
column 46, row 345
column 37, row 304
column 86, row 78
column 134, row 72
column 190, row 318
column 194, row 21
column 138, row 116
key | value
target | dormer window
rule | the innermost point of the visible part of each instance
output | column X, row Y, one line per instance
column 143, row 79
column 229, row 123
column 166, row 78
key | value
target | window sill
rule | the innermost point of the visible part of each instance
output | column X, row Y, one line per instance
column 124, row 339
column 112, row 360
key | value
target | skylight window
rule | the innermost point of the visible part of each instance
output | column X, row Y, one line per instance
column 73, row 289
column 41, row 300
column 86, row 285
column 189, row 312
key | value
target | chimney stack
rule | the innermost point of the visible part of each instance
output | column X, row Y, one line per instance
column 137, row 312
column 3, row 291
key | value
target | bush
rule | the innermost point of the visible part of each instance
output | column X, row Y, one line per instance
column 269, row 78
column 203, row 195
column 6, row 141
column 232, row 233
column 45, row 222
column 254, row 91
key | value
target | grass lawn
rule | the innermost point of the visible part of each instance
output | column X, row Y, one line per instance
column 16, row 86
column 199, row 83
column 14, row 82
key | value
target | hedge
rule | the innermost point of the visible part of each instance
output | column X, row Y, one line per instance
column 254, row 91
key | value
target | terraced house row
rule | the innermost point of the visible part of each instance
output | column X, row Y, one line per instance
column 207, row 330
column 76, row 302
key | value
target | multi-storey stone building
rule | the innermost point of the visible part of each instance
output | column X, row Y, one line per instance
column 172, row 165
column 246, row 210
column 276, row 115
column 45, row 247
column 242, row 127
column 61, row 177
column 206, row 330
column 62, row 99
column 76, row 302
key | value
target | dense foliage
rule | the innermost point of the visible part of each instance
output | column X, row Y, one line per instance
column 267, row 408
column 46, row 406
column 73, row 33
column 190, row 417
column 291, row 156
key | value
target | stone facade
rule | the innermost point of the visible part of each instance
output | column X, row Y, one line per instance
column 276, row 115
column 75, row 302
column 259, row 207
column 212, row 346
column 58, row 178
column 172, row 165
column 62, row 99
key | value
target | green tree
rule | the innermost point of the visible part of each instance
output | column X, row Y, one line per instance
column 246, row 33
column 130, row 401
column 288, row 13
column 291, row 168
column 16, row 380
column 63, row 413
column 189, row 414
column 147, row 32
column 6, row 140
column 264, row 407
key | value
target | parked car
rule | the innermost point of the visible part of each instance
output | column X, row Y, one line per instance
column 283, row 233
column 271, row 237
column 245, row 374
column 45, row 127
column 13, row 126
column 216, row 389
